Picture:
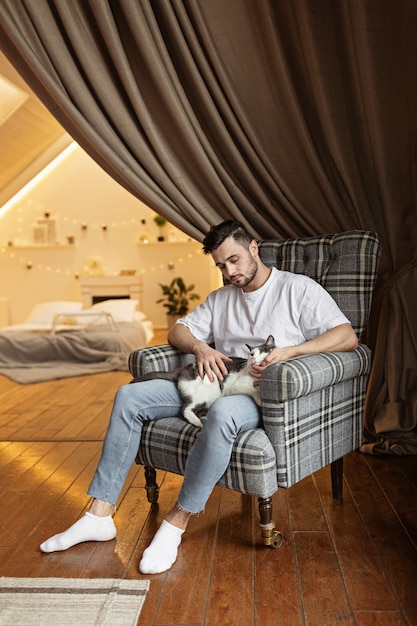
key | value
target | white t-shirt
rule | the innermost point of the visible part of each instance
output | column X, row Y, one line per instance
column 291, row 307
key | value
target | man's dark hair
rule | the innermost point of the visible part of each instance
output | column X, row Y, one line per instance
column 229, row 228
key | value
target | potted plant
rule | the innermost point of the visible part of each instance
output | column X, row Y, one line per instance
column 176, row 298
column 160, row 222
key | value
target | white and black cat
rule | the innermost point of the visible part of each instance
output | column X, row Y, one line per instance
column 198, row 394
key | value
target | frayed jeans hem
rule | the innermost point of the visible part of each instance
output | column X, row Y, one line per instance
column 181, row 508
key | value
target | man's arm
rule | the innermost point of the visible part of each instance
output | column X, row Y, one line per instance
column 209, row 360
column 339, row 339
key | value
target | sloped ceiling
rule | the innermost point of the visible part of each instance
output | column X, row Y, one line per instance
column 27, row 128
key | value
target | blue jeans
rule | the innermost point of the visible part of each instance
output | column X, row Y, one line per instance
column 209, row 457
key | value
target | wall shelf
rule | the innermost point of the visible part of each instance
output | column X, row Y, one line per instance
column 161, row 244
column 40, row 246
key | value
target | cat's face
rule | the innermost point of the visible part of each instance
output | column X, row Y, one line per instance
column 258, row 353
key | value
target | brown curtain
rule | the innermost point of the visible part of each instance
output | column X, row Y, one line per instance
column 296, row 117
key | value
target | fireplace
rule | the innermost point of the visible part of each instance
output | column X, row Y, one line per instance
column 98, row 288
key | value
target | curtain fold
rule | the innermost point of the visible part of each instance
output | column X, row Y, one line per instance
column 296, row 118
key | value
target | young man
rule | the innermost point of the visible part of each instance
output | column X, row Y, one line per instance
column 259, row 301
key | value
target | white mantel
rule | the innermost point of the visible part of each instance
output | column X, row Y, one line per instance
column 110, row 286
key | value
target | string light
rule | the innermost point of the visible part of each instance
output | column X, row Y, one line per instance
column 24, row 221
column 125, row 224
column 28, row 264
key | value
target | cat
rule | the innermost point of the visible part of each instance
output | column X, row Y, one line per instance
column 198, row 394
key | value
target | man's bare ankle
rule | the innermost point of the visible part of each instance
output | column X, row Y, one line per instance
column 101, row 508
column 178, row 517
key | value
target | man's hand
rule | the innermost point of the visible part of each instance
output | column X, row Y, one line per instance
column 211, row 362
column 276, row 355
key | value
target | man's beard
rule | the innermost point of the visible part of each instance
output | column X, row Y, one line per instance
column 253, row 268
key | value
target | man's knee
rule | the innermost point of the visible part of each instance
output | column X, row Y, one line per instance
column 235, row 413
column 124, row 392
column 222, row 414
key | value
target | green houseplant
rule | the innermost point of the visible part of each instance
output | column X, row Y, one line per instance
column 160, row 222
column 176, row 298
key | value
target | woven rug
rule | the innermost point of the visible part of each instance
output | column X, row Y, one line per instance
column 71, row 602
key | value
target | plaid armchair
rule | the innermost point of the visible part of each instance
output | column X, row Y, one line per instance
column 312, row 406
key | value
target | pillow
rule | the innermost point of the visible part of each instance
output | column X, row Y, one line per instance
column 121, row 309
column 44, row 312
column 139, row 316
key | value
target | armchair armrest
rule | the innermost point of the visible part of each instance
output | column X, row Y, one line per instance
column 162, row 358
column 304, row 375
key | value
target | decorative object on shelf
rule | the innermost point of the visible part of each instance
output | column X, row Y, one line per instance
column 176, row 299
column 160, row 222
column 70, row 239
column 94, row 266
column 29, row 265
column 143, row 238
column 40, row 234
column 127, row 272
column 44, row 230
column 104, row 227
column 84, row 226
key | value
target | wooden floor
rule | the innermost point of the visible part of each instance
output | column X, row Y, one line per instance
column 353, row 562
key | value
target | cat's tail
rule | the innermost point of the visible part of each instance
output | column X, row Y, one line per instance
column 192, row 417
column 172, row 376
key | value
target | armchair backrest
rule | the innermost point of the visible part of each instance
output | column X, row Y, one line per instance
column 345, row 264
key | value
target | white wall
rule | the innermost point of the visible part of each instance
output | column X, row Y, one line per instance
column 79, row 192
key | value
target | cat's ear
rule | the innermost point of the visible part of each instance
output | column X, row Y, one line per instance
column 248, row 347
column 270, row 341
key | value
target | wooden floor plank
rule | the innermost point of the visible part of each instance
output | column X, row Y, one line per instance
column 231, row 597
column 400, row 491
column 379, row 619
column 277, row 590
column 305, row 506
column 396, row 552
column 321, row 581
column 194, row 566
column 364, row 579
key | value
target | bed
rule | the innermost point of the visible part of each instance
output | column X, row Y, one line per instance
column 61, row 339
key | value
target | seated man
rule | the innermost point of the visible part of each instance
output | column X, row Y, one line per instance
column 259, row 301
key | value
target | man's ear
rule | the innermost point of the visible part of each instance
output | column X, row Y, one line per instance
column 253, row 247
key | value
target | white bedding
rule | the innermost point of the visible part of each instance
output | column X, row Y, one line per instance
column 31, row 352
column 47, row 328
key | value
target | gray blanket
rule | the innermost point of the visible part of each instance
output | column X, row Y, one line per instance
column 28, row 357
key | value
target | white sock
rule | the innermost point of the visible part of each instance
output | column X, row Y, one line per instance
column 162, row 551
column 88, row 528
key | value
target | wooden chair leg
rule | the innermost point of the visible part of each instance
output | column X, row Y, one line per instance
column 152, row 489
column 270, row 536
column 336, row 468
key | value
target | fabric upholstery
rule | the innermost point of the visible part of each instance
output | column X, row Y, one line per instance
column 312, row 406
column 344, row 264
